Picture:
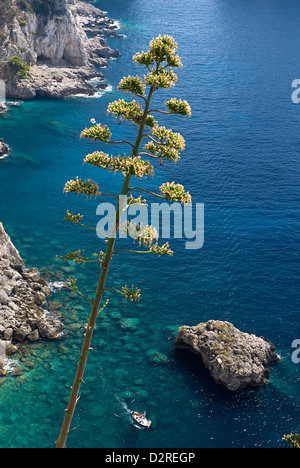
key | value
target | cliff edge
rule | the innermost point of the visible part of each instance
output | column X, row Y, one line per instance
column 23, row 293
column 45, row 50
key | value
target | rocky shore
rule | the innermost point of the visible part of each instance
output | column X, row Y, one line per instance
column 57, row 57
column 234, row 359
column 4, row 149
column 3, row 108
column 23, row 295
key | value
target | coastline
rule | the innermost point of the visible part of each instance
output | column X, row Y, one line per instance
column 246, row 274
column 59, row 67
column 4, row 149
column 23, row 296
column 63, row 79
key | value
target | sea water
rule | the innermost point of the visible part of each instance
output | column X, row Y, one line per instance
column 242, row 161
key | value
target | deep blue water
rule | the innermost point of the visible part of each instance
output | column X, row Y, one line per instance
column 242, row 162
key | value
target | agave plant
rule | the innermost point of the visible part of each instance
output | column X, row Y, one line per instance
column 151, row 140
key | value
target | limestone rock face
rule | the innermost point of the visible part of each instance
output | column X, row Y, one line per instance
column 23, row 293
column 234, row 359
column 8, row 250
column 54, row 38
column 61, row 40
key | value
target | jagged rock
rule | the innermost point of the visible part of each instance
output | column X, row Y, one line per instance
column 22, row 293
column 34, row 335
column 98, row 47
column 8, row 334
column 3, row 108
column 52, row 37
column 4, row 149
column 4, row 299
column 16, row 371
column 50, row 328
column 54, row 305
column 22, row 332
column 8, row 348
column 88, row 11
column 53, row 82
column 234, row 359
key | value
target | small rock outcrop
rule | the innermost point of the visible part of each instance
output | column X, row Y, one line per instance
column 234, row 359
column 23, row 293
column 3, row 107
column 4, row 149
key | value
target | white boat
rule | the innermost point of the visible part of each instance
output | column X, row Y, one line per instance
column 140, row 419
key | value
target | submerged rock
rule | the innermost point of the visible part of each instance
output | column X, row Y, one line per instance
column 234, row 359
column 50, row 328
column 157, row 357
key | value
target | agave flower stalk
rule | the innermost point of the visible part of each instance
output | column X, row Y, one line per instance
column 161, row 144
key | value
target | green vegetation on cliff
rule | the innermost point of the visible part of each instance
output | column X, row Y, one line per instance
column 7, row 12
column 9, row 9
column 15, row 64
column 42, row 7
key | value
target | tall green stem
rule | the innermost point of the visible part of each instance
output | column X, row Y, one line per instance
column 61, row 442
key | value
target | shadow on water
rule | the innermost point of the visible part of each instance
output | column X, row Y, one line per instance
column 252, row 417
column 197, row 375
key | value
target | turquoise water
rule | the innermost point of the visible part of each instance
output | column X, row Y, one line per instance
column 242, row 161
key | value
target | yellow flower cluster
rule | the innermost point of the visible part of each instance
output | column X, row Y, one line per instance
column 162, row 49
column 161, row 250
column 129, row 111
column 85, row 187
column 125, row 164
column 73, row 218
column 169, row 138
column 160, row 56
column 136, row 201
column 145, row 235
column 133, row 84
column 177, row 106
column 98, row 132
column 167, row 145
column 133, row 294
column 175, row 192
column 161, row 79
column 76, row 257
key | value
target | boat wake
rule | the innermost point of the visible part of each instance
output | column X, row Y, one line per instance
column 125, row 409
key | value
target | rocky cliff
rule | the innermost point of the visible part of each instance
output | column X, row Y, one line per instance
column 32, row 35
column 44, row 48
column 23, row 294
